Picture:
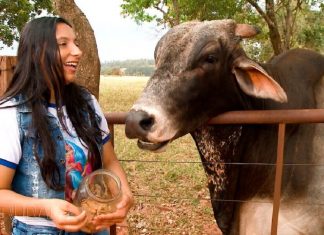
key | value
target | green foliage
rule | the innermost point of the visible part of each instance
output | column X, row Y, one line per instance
column 209, row 10
column 173, row 12
column 15, row 14
column 138, row 9
column 312, row 35
column 141, row 67
column 307, row 28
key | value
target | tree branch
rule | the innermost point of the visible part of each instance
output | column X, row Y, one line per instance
column 270, row 18
column 157, row 7
column 260, row 11
column 165, row 14
column 177, row 11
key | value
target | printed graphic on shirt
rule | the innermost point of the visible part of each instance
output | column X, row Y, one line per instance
column 77, row 167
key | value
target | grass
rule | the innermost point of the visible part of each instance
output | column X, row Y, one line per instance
column 171, row 198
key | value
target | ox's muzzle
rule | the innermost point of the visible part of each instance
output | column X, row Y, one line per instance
column 139, row 124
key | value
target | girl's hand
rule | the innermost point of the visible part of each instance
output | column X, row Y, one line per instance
column 65, row 215
column 105, row 221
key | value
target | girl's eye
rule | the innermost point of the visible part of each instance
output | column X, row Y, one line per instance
column 62, row 43
column 211, row 59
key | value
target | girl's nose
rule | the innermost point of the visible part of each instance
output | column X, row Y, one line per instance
column 76, row 50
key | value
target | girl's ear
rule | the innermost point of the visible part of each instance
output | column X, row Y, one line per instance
column 255, row 81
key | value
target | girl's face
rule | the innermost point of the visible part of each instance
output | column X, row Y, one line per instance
column 69, row 50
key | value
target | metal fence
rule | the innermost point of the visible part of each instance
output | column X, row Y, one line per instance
column 280, row 117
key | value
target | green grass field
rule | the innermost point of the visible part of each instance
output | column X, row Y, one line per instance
column 171, row 198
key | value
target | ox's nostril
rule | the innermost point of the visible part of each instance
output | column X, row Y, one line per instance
column 138, row 124
column 147, row 123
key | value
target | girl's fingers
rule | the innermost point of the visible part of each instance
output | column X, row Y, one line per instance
column 74, row 220
column 110, row 217
column 126, row 202
column 104, row 226
column 122, row 204
column 71, row 228
column 72, row 209
column 100, row 228
column 73, row 223
column 107, row 223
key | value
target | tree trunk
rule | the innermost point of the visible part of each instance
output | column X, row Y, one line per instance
column 177, row 12
column 287, row 26
column 274, row 34
column 270, row 18
column 89, row 67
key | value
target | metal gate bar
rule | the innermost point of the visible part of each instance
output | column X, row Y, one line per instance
column 278, row 178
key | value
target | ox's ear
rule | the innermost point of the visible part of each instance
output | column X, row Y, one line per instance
column 246, row 30
column 255, row 81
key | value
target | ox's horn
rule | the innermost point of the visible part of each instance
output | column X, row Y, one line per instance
column 246, row 30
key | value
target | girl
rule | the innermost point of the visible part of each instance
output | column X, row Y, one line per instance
column 46, row 118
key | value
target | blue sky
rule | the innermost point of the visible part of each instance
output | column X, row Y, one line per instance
column 117, row 38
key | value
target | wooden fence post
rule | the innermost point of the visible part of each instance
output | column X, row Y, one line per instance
column 7, row 65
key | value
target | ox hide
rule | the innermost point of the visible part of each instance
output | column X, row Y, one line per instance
column 216, row 146
column 232, row 183
column 222, row 149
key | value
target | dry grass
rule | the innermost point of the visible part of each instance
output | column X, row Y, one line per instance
column 171, row 198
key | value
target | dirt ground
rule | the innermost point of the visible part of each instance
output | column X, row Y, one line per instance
column 4, row 225
column 208, row 228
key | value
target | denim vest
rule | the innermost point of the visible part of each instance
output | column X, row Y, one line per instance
column 28, row 180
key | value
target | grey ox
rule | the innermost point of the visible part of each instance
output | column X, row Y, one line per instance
column 201, row 71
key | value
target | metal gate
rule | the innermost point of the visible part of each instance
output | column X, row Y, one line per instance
column 280, row 117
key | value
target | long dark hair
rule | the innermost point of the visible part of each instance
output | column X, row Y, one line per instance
column 39, row 67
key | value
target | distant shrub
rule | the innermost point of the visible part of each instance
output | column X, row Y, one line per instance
column 141, row 67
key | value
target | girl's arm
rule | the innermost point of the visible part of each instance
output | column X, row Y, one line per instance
column 110, row 162
column 58, row 210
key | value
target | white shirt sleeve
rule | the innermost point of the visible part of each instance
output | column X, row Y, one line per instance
column 103, row 124
column 10, row 148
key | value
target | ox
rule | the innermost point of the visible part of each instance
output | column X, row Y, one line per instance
column 201, row 71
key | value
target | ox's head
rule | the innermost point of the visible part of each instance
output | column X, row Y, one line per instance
column 200, row 72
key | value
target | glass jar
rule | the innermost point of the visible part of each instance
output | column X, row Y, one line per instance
column 98, row 194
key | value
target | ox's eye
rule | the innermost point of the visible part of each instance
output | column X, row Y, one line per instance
column 211, row 59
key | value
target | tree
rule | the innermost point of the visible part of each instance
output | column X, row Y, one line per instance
column 15, row 14
column 278, row 19
column 89, row 66
column 281, row 18
column 174, row 12
column 312, row 35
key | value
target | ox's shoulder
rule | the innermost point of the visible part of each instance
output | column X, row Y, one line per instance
column 298, row 53
column 299, row 59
